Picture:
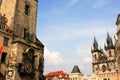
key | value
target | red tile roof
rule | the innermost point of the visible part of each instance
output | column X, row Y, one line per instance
column 61, row 74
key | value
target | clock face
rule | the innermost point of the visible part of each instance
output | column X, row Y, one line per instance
column 104, row 68
column 10, row 73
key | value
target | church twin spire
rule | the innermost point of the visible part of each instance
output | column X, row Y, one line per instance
column 108, row 41
column 95, row 46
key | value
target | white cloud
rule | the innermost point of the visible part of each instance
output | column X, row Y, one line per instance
column 101, row 3
column 52, row 58
column 116, row 10
column 87, row 59
column 65, row 33
column 81, row 50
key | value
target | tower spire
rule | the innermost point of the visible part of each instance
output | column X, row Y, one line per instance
column 95, row 45
column 109, row 42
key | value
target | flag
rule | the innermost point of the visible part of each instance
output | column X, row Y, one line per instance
column 1, row 48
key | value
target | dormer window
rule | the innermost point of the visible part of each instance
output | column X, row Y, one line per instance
column 27, row 9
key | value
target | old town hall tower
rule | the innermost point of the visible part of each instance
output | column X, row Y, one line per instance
column 21, row 53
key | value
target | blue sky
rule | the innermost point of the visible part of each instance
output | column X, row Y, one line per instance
column 67, row 29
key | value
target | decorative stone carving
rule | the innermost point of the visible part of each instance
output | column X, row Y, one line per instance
column 26, row 68
column 3, row 21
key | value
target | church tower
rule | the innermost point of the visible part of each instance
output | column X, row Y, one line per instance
column 117, row 44
column 96, row 54
column 110, row 53
column 95, row 50
column 117, row 40
column 21, row 15
column 21, row 53
column 104, row 62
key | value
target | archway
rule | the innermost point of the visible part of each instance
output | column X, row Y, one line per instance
column 2, row 77
column 3, row 57
column 104, row 79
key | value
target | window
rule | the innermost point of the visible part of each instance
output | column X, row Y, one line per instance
column 26, row 34
column 110, row 54
column 27, row 9
column 5, row 41
column 95, row 56
column 3, row 57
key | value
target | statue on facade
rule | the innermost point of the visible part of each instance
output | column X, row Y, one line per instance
column 3, row 21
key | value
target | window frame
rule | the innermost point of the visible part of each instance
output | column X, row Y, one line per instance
column 5, row 41
column 27, row 9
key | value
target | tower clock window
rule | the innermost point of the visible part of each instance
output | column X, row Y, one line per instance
column 27, row 9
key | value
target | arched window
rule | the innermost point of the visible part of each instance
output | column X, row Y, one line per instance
column 105, row 79
column 3, row 57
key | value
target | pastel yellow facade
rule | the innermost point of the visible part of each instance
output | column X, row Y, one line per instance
column 90, row 77
column 75, row 76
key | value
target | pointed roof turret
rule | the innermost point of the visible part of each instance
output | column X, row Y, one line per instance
column 95, row 45
column 105, row 46
column 109, row 42
column 76, row 69
column 118, row 20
